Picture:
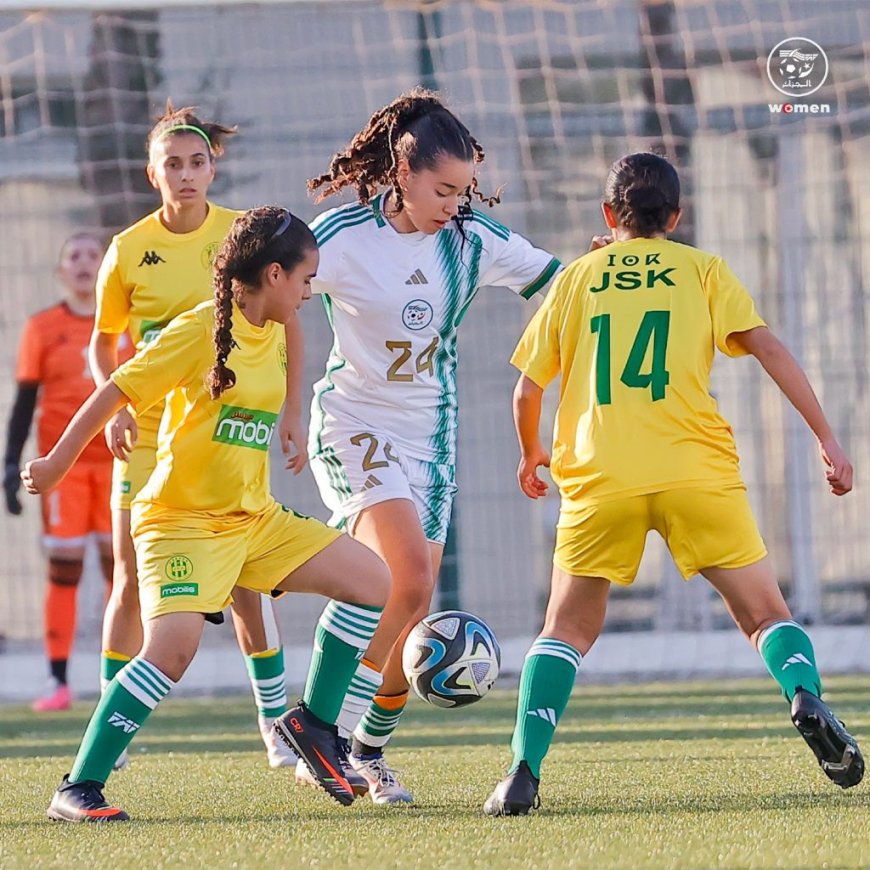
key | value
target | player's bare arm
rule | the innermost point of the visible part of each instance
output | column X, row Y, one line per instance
column 290, row 429
column 40, row 475
column 527, row 418
column 121, row 431
column 787, row 374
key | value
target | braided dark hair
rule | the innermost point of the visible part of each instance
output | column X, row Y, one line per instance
column 187, row 117
column 417, row 127
column 257, row 238
column 643, row 190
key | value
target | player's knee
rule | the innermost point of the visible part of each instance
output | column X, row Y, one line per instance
column 125, row 589
column 374, row 581
column 64, row 572
column 573, row 630
column 171, row 662
column 415, row 599
column 413, row 573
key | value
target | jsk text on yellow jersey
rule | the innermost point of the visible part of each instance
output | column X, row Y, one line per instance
column 632, row 329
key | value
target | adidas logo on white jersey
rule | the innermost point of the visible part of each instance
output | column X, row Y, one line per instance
column 547, row 713
column 371, row 482
column 796, row 659
column 128, row 726
column 417, row 278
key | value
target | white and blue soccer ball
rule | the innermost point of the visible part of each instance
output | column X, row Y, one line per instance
column 451, row 658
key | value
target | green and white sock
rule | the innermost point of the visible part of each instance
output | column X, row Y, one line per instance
column 548, row 677
column 787, row 652
column 342, row 636
column 122, row 710
column 363, row 687
column 266, row 671
column 378, row 723
column 110, row 664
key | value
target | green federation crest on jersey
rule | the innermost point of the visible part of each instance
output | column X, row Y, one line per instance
column 209, row 252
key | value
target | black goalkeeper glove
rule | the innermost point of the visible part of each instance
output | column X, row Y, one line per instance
column 11, row 485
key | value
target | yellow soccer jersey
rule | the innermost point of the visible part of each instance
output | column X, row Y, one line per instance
column 212, row 455
column 150, row 275
column 632, row 329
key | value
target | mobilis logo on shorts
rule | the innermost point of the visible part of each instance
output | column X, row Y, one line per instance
column 243, row 427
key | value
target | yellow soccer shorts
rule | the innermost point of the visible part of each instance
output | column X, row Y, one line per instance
column 704, row 527
column 189, row 564
column 129, row 477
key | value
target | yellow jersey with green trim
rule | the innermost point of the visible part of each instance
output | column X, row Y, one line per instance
column 212, row 454
column 632, row 329
column 150, row 275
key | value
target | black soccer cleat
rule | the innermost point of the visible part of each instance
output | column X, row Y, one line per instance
column 515, row 795
column 834, row 747
column 83, row 802
column 317, row 743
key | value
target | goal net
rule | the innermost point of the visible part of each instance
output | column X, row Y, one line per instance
column 554, row 90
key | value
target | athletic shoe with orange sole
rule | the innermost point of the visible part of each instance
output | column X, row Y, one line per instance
column 83, row 802
column 358, row 784
column 317, row 743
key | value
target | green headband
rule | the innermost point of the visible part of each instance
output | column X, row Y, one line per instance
column 190, row 127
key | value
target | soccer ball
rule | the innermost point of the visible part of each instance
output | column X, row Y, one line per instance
column 451, row 658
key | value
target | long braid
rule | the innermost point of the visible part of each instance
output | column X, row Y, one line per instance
column 220, row 376
column 371, row 160
column 264, row 235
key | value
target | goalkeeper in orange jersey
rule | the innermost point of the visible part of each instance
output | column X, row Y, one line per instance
column 206, row 523
column 53, row 379
column 639, row 444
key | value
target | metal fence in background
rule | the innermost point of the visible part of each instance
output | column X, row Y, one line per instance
column 554, row 90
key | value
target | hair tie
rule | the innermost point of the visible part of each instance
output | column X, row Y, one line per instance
column 190, row 128
column 282, row 227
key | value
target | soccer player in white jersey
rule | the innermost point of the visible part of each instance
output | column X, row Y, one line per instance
column 398, row 270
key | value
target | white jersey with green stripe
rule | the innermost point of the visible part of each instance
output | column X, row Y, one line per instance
column 394, row 302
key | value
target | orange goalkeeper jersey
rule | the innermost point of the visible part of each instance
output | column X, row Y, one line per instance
column 54, row 354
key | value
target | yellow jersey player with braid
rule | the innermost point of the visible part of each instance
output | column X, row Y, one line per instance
column 205, row 523
column 638, row 445
column 153, row 271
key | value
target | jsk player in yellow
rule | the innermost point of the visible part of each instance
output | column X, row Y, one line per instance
column 638, row 445
column 205, row 522
column 153, row 271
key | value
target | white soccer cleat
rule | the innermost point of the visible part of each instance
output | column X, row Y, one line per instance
column 278, row 752
column 384, row 786
column 122, row 761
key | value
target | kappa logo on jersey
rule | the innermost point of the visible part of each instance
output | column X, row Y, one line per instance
column 151, row 258
column 128, row 726
column 417, row 314
column 417, row 278
column 243, row 427
column 548, row 714
column 796, row 659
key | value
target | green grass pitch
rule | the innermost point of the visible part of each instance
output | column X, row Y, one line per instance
column 653, row 775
